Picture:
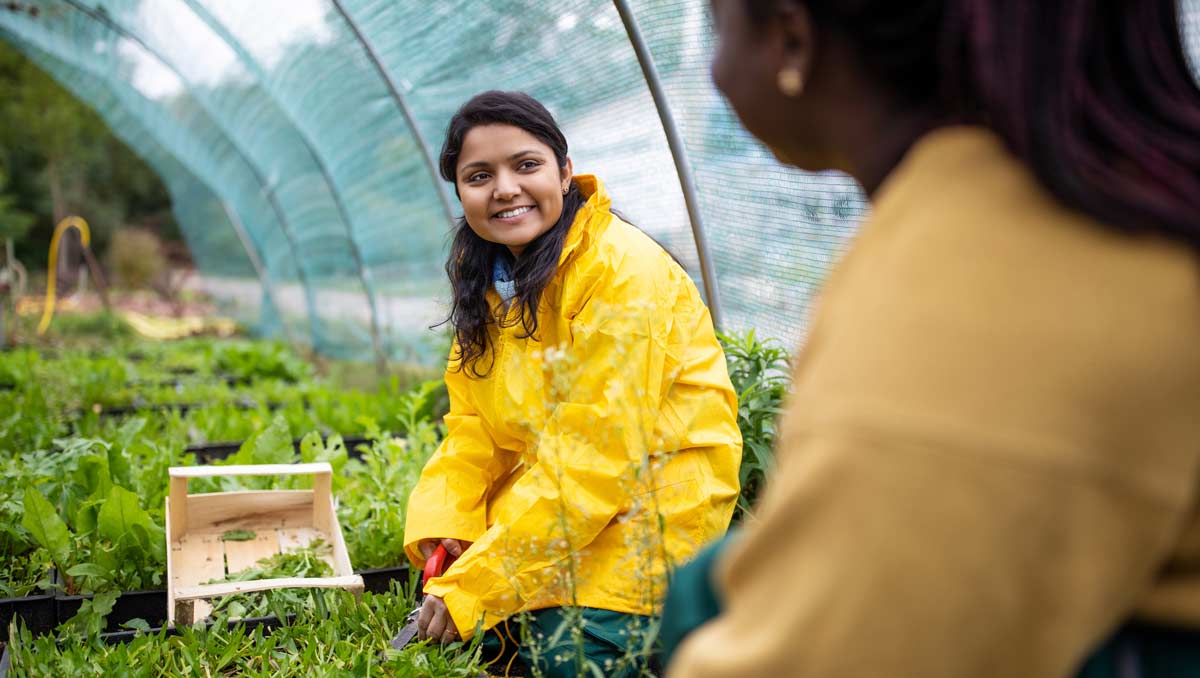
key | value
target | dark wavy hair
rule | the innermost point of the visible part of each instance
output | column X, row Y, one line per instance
column 1097, row 98
column 472, row 258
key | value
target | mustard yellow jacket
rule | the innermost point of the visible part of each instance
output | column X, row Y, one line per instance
column 991, row 457
column 588, row 460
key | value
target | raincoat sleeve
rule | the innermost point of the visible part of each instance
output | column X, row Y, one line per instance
column 450, row 499
column 616, row 376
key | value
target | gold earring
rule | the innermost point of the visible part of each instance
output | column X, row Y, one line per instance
column 790, row 81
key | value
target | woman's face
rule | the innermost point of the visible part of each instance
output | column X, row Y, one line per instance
column 746, row 66
column 510, row 185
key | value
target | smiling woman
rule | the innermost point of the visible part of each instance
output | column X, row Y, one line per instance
column 504, row 152
column 592, row 439
column 510, row 185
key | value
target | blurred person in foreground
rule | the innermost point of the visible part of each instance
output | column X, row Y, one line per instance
column 989, row 464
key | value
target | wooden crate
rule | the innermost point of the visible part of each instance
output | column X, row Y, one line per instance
column 284, row 520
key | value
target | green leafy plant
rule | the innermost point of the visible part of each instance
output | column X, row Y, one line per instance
column 377, row 486
column 308, row 561
column 758, row 370
column 82, row 495
column 77, row 506
column 238, row 535
column 347, row 637
column 254, row 360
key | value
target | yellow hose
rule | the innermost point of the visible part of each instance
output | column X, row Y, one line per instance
column 85, row 235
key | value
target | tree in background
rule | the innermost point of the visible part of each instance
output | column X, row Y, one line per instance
column 62, row 159
column 14, row 222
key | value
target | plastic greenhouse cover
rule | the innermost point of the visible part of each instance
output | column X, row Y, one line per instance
column 297, row 138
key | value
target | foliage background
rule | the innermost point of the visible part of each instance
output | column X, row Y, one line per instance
column 57, row 157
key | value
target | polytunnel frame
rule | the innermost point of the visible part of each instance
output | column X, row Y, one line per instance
column 252, row 254
column 683, row 167
column 268, row 190
column 650, row 74
column 410, row 120
column 339, row 202
column 675, row 142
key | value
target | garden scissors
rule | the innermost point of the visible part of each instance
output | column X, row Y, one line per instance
column 434, row 567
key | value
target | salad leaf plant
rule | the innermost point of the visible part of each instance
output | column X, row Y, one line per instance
column 309, row 561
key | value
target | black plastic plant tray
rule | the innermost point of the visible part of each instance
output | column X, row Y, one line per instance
column 148, row 605
column 38, row 612
column 209, row 452
column 128, row 410
column 379, row 579
column 183, row 380
column 268, row 624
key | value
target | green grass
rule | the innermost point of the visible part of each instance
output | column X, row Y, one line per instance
column 339, row 637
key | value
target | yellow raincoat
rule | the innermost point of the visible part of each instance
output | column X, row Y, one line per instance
column 587, row 461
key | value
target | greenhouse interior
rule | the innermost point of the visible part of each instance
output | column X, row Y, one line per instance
column 226, row 239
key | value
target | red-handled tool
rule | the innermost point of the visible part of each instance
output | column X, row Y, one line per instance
column 434, row 567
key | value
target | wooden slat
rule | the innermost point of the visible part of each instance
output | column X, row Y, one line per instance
column 250, row 510
column 243, row 555
column 322, row 504
column 291, row 539
column 170, row 559
column 179, row 517
column 196, row 559
column 213, row 590
column 250, row 470
column 340, row 557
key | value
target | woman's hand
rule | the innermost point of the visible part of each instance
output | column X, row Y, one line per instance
column 434, row 621
column 454, row 547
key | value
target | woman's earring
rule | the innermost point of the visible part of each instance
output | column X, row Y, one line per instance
column 790, row 82
column 566, row 190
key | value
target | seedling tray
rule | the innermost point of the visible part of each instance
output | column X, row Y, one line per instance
column 283, row 520
column 182, row 408
column 181, row 381
column 150, row 605
column 127, row 410
column 209, row 452
column 38, row 613
column 379, row 579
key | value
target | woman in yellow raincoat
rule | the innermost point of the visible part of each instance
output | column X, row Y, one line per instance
column 592, row 439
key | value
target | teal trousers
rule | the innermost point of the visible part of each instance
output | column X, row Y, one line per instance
column 610, row 644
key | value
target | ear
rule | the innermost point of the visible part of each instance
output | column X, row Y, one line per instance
column 566, row 172
column 796, row 38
